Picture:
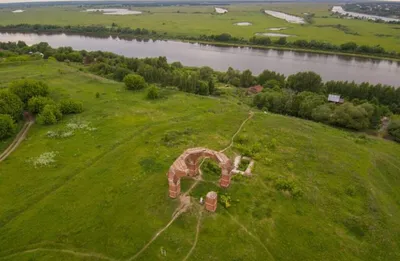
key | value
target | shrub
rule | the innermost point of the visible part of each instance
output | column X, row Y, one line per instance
column 10, row 104
column 49, row 115
column 71, row 107
column 134, row 82
column 37, row 103
column 7, row 126
column 394, row 129
column 26, row 89
column 153, row 93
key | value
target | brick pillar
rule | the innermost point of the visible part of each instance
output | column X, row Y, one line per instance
column 174, row 189
column 193, row 168
column 225, row 180
column 211, row 201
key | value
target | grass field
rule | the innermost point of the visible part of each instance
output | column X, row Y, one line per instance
column 106, row 194
column 195, row 21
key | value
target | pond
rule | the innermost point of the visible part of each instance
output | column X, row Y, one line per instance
column 276, row 28
column 330, row 67
column 220, row 10
column 114, row 11
column 275, row 35
column 340, row 10
column 243, row 24
column 289, row 18
column 18, row 11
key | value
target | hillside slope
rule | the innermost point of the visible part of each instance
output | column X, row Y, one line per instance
column 317, row 193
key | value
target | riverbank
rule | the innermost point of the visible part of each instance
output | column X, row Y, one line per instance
column 154, row 36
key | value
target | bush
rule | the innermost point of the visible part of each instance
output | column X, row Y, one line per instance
column 26, row 89
column 394, row 129
column 7, row 126
column 49, row 115
column 10, row 104
column 134, row 82
column 153, row 93
column 71, row 107
column 36, row 104
column 305, row 81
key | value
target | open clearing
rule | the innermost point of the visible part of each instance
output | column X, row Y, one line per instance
column 203, row 20
column 106, row 196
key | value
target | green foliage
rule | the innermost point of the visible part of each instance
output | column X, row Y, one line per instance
column 349, row 116
column 50, row 114
column 7, row 126
column 37, row 103
column 269, row 76
column 26, row 89
column 225, row 200
column 246, row 78
column 10, row 104
column 288, row 185
column 305, row 81
column 394, row 129
column 71, row 107
column 153, row 93
column 134, row 82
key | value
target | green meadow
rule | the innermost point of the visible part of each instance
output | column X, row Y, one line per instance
column 195, row 21
column 317, row 192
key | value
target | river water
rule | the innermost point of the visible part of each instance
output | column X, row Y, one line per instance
column 330, row 67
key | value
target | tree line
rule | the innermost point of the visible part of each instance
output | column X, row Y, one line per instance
column 302, row 94
column 127, row 32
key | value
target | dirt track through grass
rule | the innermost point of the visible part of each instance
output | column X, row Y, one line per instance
column 18, row 139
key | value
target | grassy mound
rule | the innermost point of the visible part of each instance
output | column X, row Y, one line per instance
column 94, row 186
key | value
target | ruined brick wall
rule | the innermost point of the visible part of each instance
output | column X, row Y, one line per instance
column 187, row 164
column 211, row 201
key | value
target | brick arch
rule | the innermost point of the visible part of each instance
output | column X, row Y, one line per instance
column 187, row 164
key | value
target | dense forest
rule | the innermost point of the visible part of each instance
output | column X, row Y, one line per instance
column 143, row 33
column 302, row 95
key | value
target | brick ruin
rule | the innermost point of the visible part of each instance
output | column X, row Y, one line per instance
column 188, row 164
column 211, row 201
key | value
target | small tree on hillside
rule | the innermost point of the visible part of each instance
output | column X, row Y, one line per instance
column 305, row 81
column 26, row 89
column 10, row 104
column 134, row 82
column 394, row 129
column 36, row 104
column 49, row 115
column 7, row 126
column 153, row 93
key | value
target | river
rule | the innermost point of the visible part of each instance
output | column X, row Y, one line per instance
column 330, row 67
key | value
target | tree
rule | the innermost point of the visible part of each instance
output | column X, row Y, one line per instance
column 349, row 116
column 268, row 75
column 153, row 93
column 394, row 129
column 322, row 113
column 305, row 81
column 70, row 107
column 49, row 115
column 7, row 126
column 10, row 104
column 246, row 79
column 206, row 73
column 37, row 103
column 203, row 88
column 281, row 41
column 211, row 86
column 26, row 89
column 134, row 82
column 120, row 73
column 310, row 102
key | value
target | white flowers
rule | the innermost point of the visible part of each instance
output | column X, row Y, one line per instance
column 70, row 130
column 45, row 159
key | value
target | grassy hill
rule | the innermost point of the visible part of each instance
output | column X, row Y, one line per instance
column 318, row 193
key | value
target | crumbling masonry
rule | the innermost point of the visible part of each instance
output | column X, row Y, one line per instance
column 188, row 164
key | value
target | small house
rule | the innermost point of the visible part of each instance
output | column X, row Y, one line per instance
column 335, row 98
column 255, row 89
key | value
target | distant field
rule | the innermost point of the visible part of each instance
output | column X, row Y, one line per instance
column 106, row 195
column 195, row 21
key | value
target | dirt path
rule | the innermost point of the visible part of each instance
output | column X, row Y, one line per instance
column 18, row 139
column 237, row 132
column 253, row 236
column 196, row 237
column 65, row 251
